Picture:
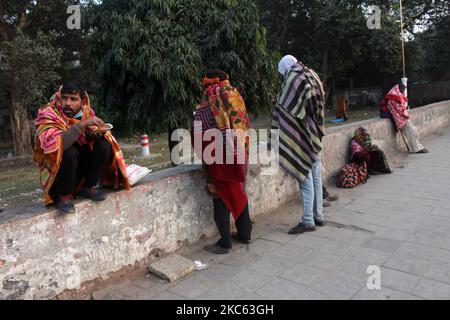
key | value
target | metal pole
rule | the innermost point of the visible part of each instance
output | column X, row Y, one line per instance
column 403, row 44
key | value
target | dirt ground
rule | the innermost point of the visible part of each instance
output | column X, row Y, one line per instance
column 19, row 186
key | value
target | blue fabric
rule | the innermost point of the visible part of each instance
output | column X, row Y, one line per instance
column 312, row 197
column 337, row 120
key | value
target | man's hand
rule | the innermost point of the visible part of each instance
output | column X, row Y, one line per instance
column 93, row 121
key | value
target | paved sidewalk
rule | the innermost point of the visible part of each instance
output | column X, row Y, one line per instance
column 398, row 222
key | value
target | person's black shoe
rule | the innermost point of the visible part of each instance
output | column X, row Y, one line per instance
column 388, row 171
column 236, row 237
column 373, row 173
column 424, row 150
column 301, row 228
column 92, row 193
column 216, row 249
column 65, row 204
column 319, row 223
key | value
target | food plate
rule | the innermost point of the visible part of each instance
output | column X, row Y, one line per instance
column 105, row 128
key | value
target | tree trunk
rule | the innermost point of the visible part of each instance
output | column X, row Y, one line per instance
column 328, row 95
column 21, row 130
column 324, row 65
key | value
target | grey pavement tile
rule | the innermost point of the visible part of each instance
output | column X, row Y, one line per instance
column 393, row 233
column 362, row 203
column 439, row 271
column 368, row 255
column 338, row 287
column 376, row 220
column 219, row 272
column 426, row 238
column 439, row 228
column 303, row 274
column 397, row 280
column 307, row 240
column 328, row 262
column 441, row 212
column 291, row 253
column 223, row 291
column 135, row 292
column 441, row 255
column 446, row 244
column 326, row 231
column 433, row 290
column 241, row 259
column 333, row 246
column 382, row 244
column 353, row 269
column 382, row 294
column 193, row 286
column 152, row 285
column 277, row 236
column 167, row 295
column 151, row 280
column 408, row 264
column 250, row 280
column 352, row 237
column 415, row 207
column 383, row 194
column 279, row 289
column 272, row 266
column 415, row 250
column 263, row 247
column 252, row 296
column 424, row 202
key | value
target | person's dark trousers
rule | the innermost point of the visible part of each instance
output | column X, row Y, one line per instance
column 79, row 162
column 362, row 156
column 222, row 219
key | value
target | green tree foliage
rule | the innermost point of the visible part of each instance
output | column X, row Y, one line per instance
column 430, row 49
column 332, row 35
column 28, row 66
column 151, row 55
column 329, row 35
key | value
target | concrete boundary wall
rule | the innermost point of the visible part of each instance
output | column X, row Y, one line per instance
column 43, row 254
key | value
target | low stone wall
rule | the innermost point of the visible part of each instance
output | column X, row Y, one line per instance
column 42, row 254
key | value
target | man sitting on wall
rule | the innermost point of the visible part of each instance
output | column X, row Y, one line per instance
column 72, row 157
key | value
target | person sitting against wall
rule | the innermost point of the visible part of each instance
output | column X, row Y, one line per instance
column 362, row 150
column 73, row 158
column 395, row 106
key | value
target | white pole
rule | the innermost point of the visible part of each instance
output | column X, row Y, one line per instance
column 403, row 39
column 404, row 79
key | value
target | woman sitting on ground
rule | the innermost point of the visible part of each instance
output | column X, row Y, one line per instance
column 362, row 150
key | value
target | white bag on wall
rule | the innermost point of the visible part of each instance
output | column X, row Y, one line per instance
column 136, row 173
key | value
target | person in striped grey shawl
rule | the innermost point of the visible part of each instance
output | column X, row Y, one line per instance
column 299, row 116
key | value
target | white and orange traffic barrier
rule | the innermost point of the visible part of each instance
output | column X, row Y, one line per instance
column 145, row 151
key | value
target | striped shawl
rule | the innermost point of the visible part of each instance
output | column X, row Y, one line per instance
column 299, row 116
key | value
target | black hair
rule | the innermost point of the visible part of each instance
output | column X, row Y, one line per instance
column 73, row 87
column 216, row 73
column 401, row 87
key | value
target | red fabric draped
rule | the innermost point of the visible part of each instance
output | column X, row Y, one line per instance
column 223, row 108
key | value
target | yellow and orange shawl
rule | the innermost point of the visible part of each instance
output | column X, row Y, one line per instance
column 51, row 123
